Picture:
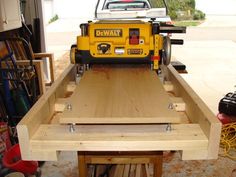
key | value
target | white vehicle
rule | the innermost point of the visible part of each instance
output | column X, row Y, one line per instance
column 127, row 5
column 128, row 9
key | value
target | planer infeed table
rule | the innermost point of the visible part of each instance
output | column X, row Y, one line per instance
column 117, row 108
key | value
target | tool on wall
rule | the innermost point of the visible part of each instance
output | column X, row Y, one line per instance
column 18, row 83
column 36, row 27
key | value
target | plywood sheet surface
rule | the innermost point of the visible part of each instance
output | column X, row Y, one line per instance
column 113, row 94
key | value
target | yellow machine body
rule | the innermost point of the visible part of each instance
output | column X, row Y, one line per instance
column 118, row 41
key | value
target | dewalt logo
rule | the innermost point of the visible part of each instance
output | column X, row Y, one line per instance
column 108, row 33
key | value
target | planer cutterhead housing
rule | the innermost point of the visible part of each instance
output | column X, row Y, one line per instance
column 125, row 41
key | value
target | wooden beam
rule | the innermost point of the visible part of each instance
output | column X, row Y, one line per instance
column 157, row 171
column 198, row 112
column 43, row 155
column 119, row 171
column 71, row 87
column 168, row 86
column 195, row 154
column 147, row 170
column 132, row 170
column 50, row 56
column 126, row 170
column 138, row 170
column 41, row 113
column 184, row 118
column 82, row 165
column 119, row 160
column 179, row 104
column 119, row 138
column 60, row 104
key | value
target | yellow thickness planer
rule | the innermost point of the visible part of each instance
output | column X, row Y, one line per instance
column 125, row 41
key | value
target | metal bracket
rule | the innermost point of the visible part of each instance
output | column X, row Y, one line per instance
column 72, row 128
column 171, row 106
column 85, row 67
column 69, row 107
column 168, row 127
column 79, row 74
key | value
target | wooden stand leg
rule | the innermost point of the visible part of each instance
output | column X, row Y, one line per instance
column 85, row 158
column 158, row 165
column 82, row 165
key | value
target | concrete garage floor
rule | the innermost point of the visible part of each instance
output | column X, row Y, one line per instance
column 211, row 68
column 173, row 166
column 209, row 53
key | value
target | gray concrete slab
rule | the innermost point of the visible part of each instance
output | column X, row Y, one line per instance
column 220, row 20
column 66, row 166
column 209, row 52
column 208, row 33
column 211, row 68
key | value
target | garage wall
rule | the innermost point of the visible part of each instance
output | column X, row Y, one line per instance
column 48, row 10
column 74, row 8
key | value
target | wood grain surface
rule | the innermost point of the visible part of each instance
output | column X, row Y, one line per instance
column 114, row 94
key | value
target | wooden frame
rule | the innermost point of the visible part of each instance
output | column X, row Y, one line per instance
column 39, row 70
column 41, row 136
column 38, row 64
column 50, row 56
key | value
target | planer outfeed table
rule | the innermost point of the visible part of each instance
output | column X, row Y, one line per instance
column 119, row 109
column 111, row 94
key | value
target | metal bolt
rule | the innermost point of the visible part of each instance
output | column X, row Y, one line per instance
column 83, row 67
column 5, row 21
column 77, row 78
column 81, row 70
column 168, row 127
column 151, row 66
column 171, row 106
column 87, row 66
column 69, row 107
column 72, row 128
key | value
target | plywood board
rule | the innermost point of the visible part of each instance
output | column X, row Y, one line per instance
column 114, row 94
